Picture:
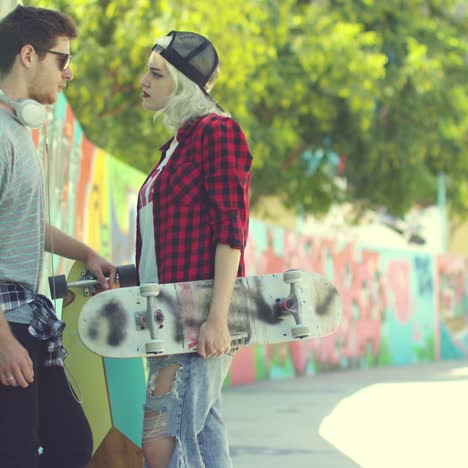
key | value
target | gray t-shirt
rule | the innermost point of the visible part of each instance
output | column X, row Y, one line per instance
column 21, row 207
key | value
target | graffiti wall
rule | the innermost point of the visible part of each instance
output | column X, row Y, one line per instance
column 400, row 307
column 452, row 305
column 91, row 195
column 388, row 298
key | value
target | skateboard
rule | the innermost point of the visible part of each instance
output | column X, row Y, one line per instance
column 85, row 369
column 84, row 284
column 165, row 319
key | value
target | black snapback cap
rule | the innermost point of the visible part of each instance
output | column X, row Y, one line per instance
column 192, row 54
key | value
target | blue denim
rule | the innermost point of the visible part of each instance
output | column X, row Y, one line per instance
column 22, row 314
column 193, row 410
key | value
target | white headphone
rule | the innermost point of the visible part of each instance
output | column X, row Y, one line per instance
column 27, row 111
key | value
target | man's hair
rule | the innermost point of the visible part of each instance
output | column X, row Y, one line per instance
column 38, row 27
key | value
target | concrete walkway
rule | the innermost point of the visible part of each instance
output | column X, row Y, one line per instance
column 388, row 417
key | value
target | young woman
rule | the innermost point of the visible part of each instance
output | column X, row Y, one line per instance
column 193, row 212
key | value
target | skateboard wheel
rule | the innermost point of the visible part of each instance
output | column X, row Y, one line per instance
column 292, row 276
column 300, row 331
column 149, row 289
column 154, row 347
column 58, row 286
column 127, row 276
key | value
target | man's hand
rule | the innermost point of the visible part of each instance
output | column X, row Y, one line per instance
column 16, row 367
column 62, row 244
column 214, row 339
column 100, row 268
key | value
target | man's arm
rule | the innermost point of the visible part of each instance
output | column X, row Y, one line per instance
column 14, row 358
column 16, row 367
column 62, row 244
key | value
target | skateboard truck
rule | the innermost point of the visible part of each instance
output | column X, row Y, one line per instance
column 126, row 276
column 293, row 303
column 150, row 291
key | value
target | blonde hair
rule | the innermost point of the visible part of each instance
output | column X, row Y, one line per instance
column 187, row 101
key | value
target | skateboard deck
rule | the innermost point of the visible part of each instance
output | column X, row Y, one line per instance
column 165, row 319
column 82, row 364
column 86, row 369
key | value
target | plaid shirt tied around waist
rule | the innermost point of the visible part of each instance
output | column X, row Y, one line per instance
column 44, row 326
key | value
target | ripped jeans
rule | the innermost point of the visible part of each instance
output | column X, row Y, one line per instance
column 191, row 411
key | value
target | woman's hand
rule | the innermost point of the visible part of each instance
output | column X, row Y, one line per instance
column 214, row 339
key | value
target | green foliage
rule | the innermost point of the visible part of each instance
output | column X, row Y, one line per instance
column 382, row 84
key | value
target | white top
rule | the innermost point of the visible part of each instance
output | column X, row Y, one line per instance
column 148, row 269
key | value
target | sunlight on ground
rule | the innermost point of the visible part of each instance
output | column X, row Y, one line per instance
column 460, row 372
column 420, row 424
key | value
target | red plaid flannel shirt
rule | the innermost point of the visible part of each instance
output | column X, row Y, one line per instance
column 200, row 199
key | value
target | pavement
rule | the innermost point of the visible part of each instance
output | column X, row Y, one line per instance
column 401, row 417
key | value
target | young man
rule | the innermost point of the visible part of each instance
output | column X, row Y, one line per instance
column 37, row 406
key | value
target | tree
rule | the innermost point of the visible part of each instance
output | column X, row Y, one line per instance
column 112, row 50
column 381, row 84
column 419, row 124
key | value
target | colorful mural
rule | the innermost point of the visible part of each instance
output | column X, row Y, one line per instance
column 400, row 307
column 452, row 305
column 389, row 311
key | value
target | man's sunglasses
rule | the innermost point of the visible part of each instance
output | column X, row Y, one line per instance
column 64, row 59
